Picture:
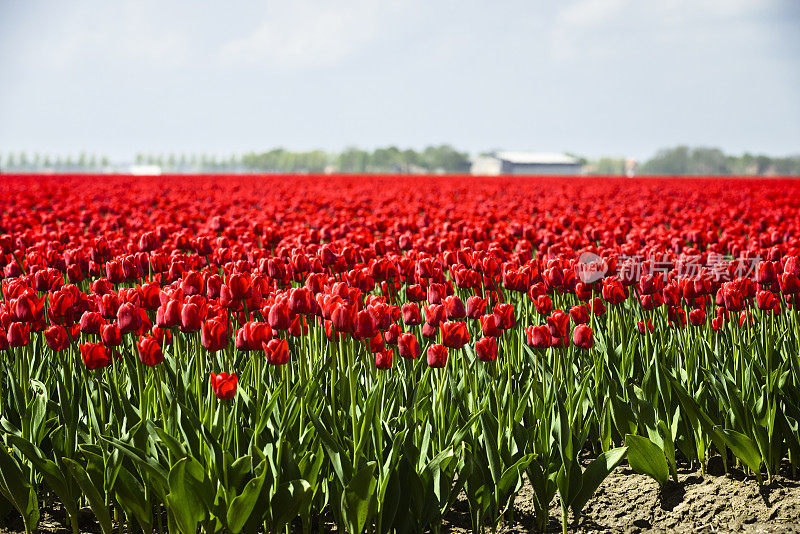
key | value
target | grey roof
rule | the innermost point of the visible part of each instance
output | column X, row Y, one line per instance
column 544, row 158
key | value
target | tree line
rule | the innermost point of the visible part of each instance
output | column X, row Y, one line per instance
column 680, row 160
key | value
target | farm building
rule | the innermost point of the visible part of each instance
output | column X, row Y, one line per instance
column 525, row 163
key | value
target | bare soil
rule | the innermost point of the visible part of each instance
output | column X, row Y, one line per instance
column 632, row 503
column 626, row 502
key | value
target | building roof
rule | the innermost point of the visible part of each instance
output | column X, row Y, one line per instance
column 530, row 158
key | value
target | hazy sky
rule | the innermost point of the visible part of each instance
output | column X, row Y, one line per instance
column 619, row 77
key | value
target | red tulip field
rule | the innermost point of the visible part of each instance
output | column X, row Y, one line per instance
column 226, row 354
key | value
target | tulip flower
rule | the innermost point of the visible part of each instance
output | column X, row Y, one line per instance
column 408, row 346
column 18, row 334
column 224, row 385
column 489, row 326
column 437, row 356
column 214, row 335
column 486, row 349
column 579, row 314
column 56, row 338
column 582, row 336
column 454, row 335
column 150, row 352
column 95, row 356
column 383, row 359
column 539, row 337
column 504, row 316
column 276, row 351
column 698, row 317
column 111, row 335
column 279, row 318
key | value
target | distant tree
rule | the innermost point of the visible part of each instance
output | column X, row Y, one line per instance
column 386, row 160
column 353, row 160
column 668, row 161
column 610, row 166
column 409, row 159
column 445, row 158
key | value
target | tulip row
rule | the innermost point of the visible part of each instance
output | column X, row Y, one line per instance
column 330, row 356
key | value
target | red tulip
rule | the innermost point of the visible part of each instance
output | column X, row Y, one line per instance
column 18, row 334
column 91, row 322
column 475, row 307
column 300, row 301
column 765, row 300
column 251, row 335
column 504, row 316
column 150, row 352
column 4, row 345
column 343, row 317
column 95, row 355
column 411, row 314
column 489, row 326
column 148, row 241
column 558, row 323
column 239, row 285
column 214, row 334
column 454, row 307
column 486, row 349
column 276, row 351
column 790, row 283
column 392, row 334
column 582, row 336
column 364, row 325
column 383, row 359
column 697, row 317
column 224, row 385
column 27, row 308
column 56, row 337
column 437, row 356
column 539, row 336
column 454, row 335
column 408, row 346
column 543, row 304
column 579, row 314
column 128, row 318
column 111, row 335
column 434, row 314
column 279, row 316
column 191, row 319
column 614, row 292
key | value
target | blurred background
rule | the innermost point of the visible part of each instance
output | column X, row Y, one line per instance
column 412, row 86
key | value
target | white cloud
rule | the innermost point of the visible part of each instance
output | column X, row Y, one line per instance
column 311, row 32
column 95, row 34
column 603, row 28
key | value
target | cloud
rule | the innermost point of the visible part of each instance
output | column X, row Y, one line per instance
column 306, row 33
column 98, row 35
column 598, row 29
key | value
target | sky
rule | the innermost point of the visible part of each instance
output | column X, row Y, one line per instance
column 592, row 77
